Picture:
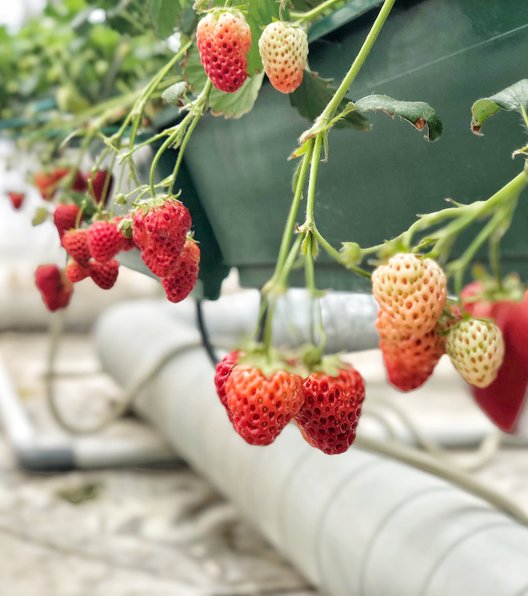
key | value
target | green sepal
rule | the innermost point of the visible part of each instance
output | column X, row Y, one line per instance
column 255, row 355
column 351, row 254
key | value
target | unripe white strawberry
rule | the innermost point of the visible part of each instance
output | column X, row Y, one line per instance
column 412, row 292
column 476, row 349
column 283, row 48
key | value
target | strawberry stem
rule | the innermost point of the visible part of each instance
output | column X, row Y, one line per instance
column 312, row 14
column 363, row 53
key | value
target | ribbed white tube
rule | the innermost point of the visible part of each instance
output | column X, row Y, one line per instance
column 354, row 524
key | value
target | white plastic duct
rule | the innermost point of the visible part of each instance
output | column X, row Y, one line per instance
column 354, row 524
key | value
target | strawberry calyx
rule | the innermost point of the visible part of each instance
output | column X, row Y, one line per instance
column 125, row 227
column 330, row 365
column 270, row 361
column 486, row 288
column 154, row 202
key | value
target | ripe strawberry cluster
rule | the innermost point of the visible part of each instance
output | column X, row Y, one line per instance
column 48, row 183
column 326, row 405
column 91, row 253
column 224, row 40
column 160, row 229
column 415, row 330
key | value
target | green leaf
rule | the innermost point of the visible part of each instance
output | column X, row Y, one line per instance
column 40, row 216
column 418, row 113
column 235, row 105
column 167, row 14
column 312, row 96
column 260, row 13
column 513, row 98
column 229, row 105
column 173, row 94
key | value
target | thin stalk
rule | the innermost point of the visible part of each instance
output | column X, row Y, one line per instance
column 370, row 40
column 460, row 265
column 312, row 181
column 292, row 216
column 425, row 462
column 203, row 99
column 314, row 13
column 181, row 150
column 282, row 280
column 336, row 255
column 494, row 257
column 309, row 269
column 165, row 145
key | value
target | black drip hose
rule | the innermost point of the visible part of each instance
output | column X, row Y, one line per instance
column 204, row 334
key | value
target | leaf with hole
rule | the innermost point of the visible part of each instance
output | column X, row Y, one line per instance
column 418, row 113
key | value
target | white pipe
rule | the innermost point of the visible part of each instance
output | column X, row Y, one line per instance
column 354, row 524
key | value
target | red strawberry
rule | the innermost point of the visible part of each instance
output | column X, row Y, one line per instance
column 283, row 48
column 76, row 272
column 412, row 291
column 162, row 226
column 503, row 400
column 159, row 231
column 223, row 370
column 409, row 359
column 104, row 240
column 65, row 217
column 54, row 288
column 224, row 39
column 104, row 274
column 161, row 263
column 261, row 406
column 75, row 243
column 98, row 183
column 16, row 198
column 45, row 184
column 182, row 279
column 79, row 183
column 331, row 409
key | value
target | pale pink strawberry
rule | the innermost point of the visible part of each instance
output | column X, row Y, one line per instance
column 476, row 349
column 283, row 48
column 412, row 292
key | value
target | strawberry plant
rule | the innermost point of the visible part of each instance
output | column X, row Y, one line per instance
column 224, row 51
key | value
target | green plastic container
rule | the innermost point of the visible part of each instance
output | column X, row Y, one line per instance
column 445, row 52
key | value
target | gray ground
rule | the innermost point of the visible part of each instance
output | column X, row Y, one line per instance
column 118, row 532
column 136, row 531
